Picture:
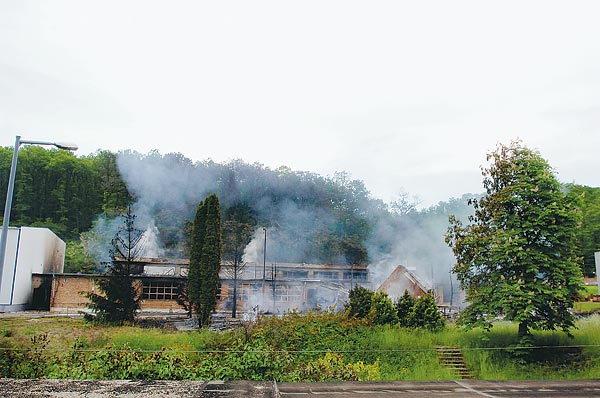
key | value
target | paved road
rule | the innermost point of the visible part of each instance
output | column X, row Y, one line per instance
column 448, row 389
column 187, row 389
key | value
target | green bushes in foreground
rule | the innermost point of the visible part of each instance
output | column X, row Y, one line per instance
column 296, row 347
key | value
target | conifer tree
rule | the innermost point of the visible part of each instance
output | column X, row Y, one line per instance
column 359, row 302
column 425, row 314
column 382, row 310
column 404, row 308
column 205, row 258
column 119, row 299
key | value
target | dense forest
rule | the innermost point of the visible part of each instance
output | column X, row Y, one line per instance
column 307, row 217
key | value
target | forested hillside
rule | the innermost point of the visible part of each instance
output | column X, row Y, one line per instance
column 58, row 190
column 308, row 217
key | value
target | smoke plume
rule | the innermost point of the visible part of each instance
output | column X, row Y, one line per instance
column 301, row 211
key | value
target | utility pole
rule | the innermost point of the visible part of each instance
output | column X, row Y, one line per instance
column 265, row 257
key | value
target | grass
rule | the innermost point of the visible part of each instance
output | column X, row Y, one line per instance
column 400, row 354
column 586, row 307
column 590, row 289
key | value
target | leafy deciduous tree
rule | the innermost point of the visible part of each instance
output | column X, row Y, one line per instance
column 518, row 256
column 589, row 233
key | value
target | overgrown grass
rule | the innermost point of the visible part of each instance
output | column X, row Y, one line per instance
column 314, row 346
column 586, row 307
column 589, row 289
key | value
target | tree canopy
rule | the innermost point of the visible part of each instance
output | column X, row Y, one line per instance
column 518, row 256
column 311, row 218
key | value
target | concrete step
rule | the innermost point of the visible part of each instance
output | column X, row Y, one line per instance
column 453, row 359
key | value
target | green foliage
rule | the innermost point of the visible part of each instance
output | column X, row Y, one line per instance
column 55, row 189
column 321, row 347
column 119, row 299
column 378, row 309
column 425, row 314
column 518, row 257
column 77, row 260
column 588, row 234
column 359, row 302
column 205, row 259
column 404, row 308
column 332, row 367
column 382, row 310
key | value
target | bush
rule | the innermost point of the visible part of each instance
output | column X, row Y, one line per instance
column 332, row 367
column 426, row 315
column 359, row 302
column 404, row 307
column 382, row 310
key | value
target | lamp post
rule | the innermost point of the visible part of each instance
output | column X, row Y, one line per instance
column 265, row 257
column 11, row 186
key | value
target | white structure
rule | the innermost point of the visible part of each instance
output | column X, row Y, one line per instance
column 28, row 251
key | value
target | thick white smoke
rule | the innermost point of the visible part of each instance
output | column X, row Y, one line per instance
column 168, row 188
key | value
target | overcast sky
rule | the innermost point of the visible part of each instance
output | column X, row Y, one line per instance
column 407, row 96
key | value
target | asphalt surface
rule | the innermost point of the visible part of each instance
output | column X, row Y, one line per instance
column 10, row 388
column 447, row 389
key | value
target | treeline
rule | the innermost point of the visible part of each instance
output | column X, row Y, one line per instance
column 58, row 190
column 310, row 218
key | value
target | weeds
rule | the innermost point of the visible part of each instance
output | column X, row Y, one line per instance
column 295, row 347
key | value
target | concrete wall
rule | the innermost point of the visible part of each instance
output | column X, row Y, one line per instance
column 29, row 250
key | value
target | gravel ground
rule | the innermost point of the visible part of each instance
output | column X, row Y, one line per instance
column 11, row 388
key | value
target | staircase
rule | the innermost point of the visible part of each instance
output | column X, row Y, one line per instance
column 453, row 359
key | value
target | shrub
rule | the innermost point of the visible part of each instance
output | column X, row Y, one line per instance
column 404, row 307
column 382, row 310
column 359, row 302
column 332, row 367
column 426, row 315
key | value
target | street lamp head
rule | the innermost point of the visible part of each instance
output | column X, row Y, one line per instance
column 66, row 145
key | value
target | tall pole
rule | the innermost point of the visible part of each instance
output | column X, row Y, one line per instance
column 451, row 290
column 265, row 257
column 11, row 187
column 8, row 205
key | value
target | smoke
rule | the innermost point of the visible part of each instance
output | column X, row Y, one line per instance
column 304, row 214
column 98, row 243
column 151, row 246
column 416, row 240
column 254, row 251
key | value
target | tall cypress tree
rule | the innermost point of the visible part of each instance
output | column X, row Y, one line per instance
column 196, row 244
column 205, row 258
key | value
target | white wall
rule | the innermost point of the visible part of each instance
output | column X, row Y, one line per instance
column 28, row 250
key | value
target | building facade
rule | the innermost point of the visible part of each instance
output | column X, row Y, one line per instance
column 29, row 252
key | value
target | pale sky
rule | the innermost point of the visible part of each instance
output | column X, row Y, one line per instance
column 405, row 95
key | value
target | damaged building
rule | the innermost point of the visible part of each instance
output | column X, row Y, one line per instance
column 270, row 288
